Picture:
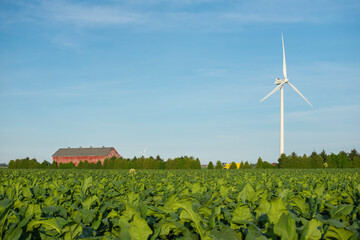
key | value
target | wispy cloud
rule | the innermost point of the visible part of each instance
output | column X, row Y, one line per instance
column 158, row 14
column 65, row 42
column 71, row 12
column 247, row 18
column 88, row 14
column 335, row 114
column 212, row 72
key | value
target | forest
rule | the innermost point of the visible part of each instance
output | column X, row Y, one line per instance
column 314, row 160
column 183, row 162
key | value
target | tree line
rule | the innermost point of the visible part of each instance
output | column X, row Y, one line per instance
column 314, row 160
column 260, row 164
column 183, row 162
column 321, row 160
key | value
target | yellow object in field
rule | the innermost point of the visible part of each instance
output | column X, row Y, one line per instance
column 227, row 166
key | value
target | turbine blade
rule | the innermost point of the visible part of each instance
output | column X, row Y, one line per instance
column 284, row 62
column 275, row 89
column 299, row 93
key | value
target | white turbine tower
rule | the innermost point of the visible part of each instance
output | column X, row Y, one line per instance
column 280, row 83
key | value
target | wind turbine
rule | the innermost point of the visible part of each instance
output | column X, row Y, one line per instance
column 281, row 83
column 143, row 153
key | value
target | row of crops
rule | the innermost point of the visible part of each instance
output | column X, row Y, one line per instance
column 180, row 204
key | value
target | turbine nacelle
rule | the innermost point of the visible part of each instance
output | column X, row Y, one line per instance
column 279, row 81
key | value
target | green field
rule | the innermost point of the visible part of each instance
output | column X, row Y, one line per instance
column 180, row 204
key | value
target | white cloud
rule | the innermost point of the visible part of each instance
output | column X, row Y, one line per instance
column 341, row 120
column 247, row 18
column 83, row 14
column 65, row 42
column 159, row 14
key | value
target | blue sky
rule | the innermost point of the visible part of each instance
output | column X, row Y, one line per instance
column 178, row 77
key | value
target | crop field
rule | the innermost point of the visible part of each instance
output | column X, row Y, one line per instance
column 180, row 204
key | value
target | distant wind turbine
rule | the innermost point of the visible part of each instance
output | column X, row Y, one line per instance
column 280, row 83
column 143, row 153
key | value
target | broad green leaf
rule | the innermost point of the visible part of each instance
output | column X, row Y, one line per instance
column 166, row 228
column 26, row 192
column 188, row 214
column 335, row 223
column 50, row 201
column 112, row 214
column 206, row 211
column 129, row 213
column 15, row 234
column 169, row 205
column 299, row 204
column 254, row 233
column 319, row 190
column 338, row 233
column 225, row 233
column 87, row 233
column 87, row 183
column 263, row 208
column 312, row 230
column 276, row 210
column 72, row 231
column 49, row 224
column 87, row 215
column 242, row 213
column 223, row 191
column 33, row 209
column 195, row 187
column 285, row 228
column 89, row 201
column 139, row 229
column 124, row 228
column 247, row 193
column 133, row 198
column 5, row 206
column 340, row 210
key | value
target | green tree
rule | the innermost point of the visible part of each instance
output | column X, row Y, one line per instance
column 86, row 165
column 218, row 165
column 314, row 154
column 268, row 165
column 342, row 160
column 316, row 161
column 197, row 164
column 210, row 166
column 283, row 161
column 53, row 165
column 353, row 153
column 233, row 166
column 162, row 164
column 98, row 165
column 45, row 164
column 260, row 163
column 12, row 164
column 183, row 163
column 69, row 165
column 323, row 155
column 241, row 165
column 81, row 165
column 170, row 164
column 356, row 162
column 109, row 163
column 246, row 165
column 32, row 164
column 149, row 163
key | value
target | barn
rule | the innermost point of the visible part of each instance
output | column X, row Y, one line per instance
column 91, row 154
